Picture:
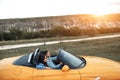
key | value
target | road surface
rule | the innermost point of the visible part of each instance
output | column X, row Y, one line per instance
column 5, row 47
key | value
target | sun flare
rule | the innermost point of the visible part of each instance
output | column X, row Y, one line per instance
column 99, row 13
column 99, row 8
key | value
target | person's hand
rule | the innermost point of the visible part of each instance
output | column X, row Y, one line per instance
column 61, row 63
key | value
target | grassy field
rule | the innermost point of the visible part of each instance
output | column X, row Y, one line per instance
column 45, row 39
column 108, row 48
column 36, row 40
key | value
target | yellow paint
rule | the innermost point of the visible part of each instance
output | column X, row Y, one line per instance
column 96, row 67
column 103, row 68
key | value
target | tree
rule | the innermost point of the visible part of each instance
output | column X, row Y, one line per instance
column 15, row 33
column 2, row 36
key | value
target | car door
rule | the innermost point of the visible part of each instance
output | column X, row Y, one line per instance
column 56, row 74
column 22, row 73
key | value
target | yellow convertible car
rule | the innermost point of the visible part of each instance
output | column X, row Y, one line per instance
column 75, row 68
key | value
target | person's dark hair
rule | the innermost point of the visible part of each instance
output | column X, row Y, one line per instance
column 45, row 52
column 42, row 56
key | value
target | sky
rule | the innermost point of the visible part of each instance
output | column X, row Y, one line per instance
column 40, row 8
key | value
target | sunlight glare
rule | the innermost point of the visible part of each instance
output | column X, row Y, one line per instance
column 99, row 8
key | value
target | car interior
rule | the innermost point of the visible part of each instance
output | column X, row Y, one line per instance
column 32, row 59
column 29, row 60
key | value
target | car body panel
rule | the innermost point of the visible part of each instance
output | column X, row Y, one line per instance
column 56, row 74
column 100, row 69
column 8, row 71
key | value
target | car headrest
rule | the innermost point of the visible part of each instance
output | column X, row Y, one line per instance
column 30, row 58
column 36, row 52
column 36, row 56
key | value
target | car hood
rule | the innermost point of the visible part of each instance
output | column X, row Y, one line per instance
column 98, row 68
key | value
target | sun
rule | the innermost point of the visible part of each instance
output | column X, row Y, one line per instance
column 100, row 13
column 99, row 8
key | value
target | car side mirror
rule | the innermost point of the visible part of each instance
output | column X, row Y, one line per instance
column 65, row 68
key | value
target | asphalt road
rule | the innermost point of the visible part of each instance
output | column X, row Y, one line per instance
column 5, row 47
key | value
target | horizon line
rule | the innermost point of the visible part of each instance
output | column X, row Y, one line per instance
column 56, row 16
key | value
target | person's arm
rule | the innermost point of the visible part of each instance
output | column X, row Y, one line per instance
column 53, row 58
column 58, row 66
column 40, row 66
column 52, row 65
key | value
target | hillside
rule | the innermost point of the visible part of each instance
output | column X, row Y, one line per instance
column 43, row 23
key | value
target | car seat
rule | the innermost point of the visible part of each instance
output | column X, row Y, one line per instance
column 36, row 56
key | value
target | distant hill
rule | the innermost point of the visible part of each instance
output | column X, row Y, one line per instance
column 43, row 23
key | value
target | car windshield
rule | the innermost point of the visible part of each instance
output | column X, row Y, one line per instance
column 71, row 60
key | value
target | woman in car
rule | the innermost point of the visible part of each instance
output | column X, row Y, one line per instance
column 46, row 61
column 50, row 61
column 42, row 62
